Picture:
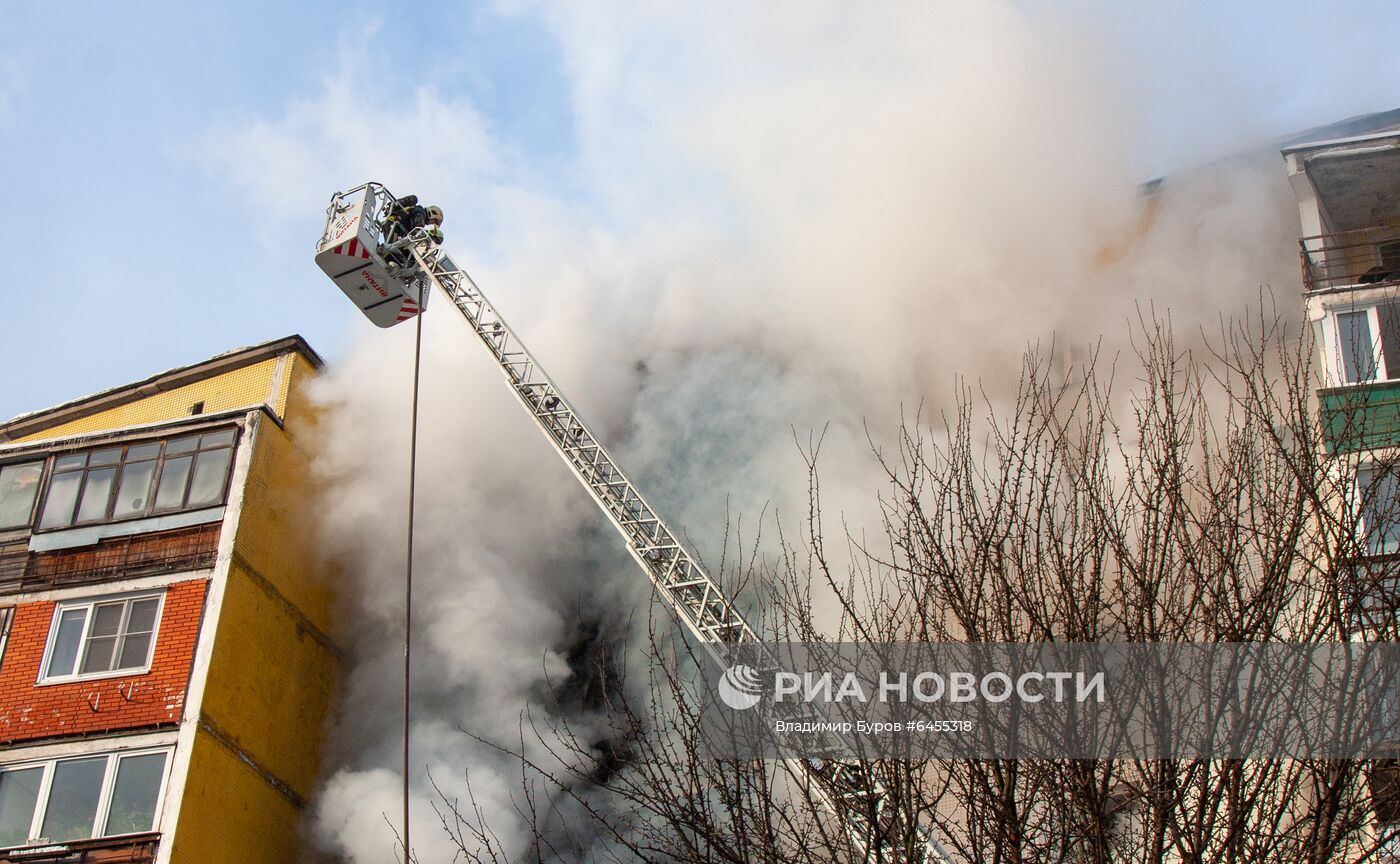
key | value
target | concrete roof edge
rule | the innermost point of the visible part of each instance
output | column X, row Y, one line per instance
column 1338, row 142
column 85, row 406
column 1358, row 128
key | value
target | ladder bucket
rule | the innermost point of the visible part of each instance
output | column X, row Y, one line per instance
column 348, row 254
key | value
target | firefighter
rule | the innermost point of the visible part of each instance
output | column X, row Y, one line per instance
column 405, row 214
column 433, row 224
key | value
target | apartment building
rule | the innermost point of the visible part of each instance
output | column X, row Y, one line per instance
column 166, row 664
column 1347, row 181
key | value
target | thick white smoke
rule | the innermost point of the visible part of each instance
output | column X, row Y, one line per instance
column 792, row 215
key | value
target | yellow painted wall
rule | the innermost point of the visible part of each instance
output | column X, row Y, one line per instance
column 248, row 386
column 237, row 808
column 272, row 676
column 270, row 682
column 276, row 523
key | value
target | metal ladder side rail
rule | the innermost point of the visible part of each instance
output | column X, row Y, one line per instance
column 861, row 801
column 703, row 607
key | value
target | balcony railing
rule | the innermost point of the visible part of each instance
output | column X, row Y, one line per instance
column 193, row 548
column 130, row 849
column 14, row 557
column 1350, row 259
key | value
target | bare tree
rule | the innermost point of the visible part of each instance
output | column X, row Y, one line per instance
column 1204, row 501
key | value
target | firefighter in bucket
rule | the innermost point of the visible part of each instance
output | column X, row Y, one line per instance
column 366, row 249
column 406, row 214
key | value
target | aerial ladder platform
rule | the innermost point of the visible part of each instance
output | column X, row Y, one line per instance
column 373, row 267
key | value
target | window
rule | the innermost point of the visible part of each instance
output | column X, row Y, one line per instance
column 134, row 480
column 1378, row 491
column 7, row 617
column 1384, row 780
column 1389, row 253
column 19, row 486
column 101, row 637
column 1368, row 343
column 73, row 799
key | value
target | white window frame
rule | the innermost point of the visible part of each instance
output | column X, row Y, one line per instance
column 7, row 621
column 1390, row 849
column 104, row 799
column 1363, row 523
column 89, row 603
column 34, row 504
column 1373, row 323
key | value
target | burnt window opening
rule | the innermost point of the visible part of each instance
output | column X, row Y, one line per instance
column 594, row 683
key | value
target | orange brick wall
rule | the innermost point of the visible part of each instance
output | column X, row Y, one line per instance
column 28, row 711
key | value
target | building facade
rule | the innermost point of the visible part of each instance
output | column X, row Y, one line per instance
column 1348, row 190
column 1347, row 182
column 166, row 668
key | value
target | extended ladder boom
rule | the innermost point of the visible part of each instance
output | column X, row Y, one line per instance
column 689, row 590
column 871, row 817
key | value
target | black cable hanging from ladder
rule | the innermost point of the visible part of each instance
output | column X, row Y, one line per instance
column 408, row 580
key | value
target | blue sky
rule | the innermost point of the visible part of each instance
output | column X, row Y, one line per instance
column 145, row 232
